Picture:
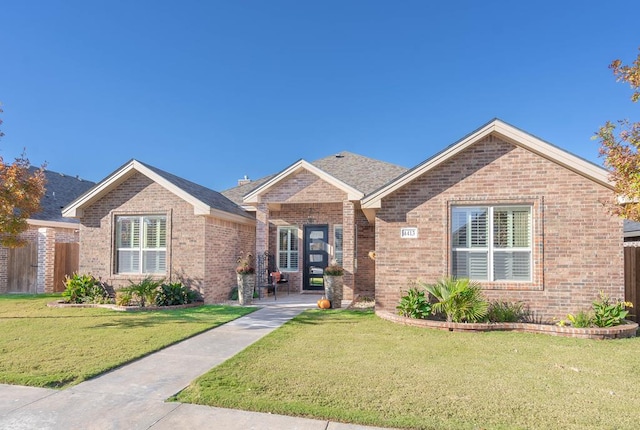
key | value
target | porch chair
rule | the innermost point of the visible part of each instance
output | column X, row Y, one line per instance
column 268, row 277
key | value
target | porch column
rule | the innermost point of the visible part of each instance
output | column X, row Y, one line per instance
column 46, row 259
column 262, row 229
column 348, row 248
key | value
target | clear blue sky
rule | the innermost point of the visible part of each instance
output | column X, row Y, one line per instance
column 214, row 90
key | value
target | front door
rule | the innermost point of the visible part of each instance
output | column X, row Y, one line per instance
column 316, row 255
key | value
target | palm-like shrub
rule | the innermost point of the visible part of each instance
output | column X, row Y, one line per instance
column 460, row 299
column 144, row 291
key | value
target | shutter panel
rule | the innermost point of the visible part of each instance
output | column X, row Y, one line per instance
column 470, row 264
column 512, row 265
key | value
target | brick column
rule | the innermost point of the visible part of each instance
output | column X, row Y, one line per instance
column 46, row 259
column 348, row 248
column 262, row 229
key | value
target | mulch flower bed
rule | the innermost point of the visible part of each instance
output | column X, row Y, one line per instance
column 63, row 304
column 626, row 330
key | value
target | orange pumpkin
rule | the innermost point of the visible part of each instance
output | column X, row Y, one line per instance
column 323, row 303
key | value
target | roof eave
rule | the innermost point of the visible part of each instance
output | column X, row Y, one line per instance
column 226, row 216
column 253, row 197
column 512, row 135
column 75, row 208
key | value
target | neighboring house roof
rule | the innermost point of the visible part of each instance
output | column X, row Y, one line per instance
column 357, row 175
column 631, row 229
column 60, row 190
column 510, row 134
column 205, row 201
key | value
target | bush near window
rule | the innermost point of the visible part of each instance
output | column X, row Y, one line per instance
column 460, row 299
column 84, row 289
column 175, row 294
column 150, row 292
column 144, row 292
column 415, row 304
column 501, row 311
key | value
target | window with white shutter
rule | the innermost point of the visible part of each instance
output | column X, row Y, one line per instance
column 491, row 243
column 288, row 248
column 141, row 244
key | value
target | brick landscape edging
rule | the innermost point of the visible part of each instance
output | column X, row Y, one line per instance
column 618, row 332
column 61, row 304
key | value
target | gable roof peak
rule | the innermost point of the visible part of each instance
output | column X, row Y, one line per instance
column 205, row 201
column 508, row 133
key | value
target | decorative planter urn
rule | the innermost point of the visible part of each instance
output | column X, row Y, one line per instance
column 333, row 290
column 246, row 286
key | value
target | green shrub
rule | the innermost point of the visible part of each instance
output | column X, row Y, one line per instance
column 582, row 319
column 123, row 298
column 174, row 294
column 84, row 289
column 460, row 299
column 415, row 304
column 609, row 313
column 144, row 291
column 500, row 311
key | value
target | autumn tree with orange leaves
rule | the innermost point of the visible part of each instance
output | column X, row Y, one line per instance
column 619, row 145
column 20, row 195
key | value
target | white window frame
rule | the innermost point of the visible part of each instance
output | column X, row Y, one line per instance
column 338, row 252
column 293, row 237
column 141, row 249
column 491, row 249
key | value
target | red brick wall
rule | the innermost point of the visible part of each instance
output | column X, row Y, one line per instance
column 199, row 248
column 577, row 248
column 225, row 241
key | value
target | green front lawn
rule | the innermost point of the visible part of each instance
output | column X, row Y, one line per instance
column 354, row 367
column 58, row 347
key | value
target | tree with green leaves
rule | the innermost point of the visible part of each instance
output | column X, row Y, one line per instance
column 20, row 193
column 620, row 144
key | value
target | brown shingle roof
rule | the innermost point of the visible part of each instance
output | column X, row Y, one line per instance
column 362, row 173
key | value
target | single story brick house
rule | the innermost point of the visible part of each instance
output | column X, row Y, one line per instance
column 51, row 246
column 517, row 214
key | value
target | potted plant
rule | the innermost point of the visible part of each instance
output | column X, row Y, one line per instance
column 246, row 274
column 333, row 283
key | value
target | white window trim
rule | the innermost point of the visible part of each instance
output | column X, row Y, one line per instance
column 140, row 249
column 491, row 249
column 289, row 229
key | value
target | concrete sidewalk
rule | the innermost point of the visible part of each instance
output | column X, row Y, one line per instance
column 132, row 397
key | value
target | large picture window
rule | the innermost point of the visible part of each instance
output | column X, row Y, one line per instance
column 288, row 248
column 491, row 243
column 141, row 244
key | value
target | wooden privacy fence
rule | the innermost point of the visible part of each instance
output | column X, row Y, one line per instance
column 66, row 263
column 632, row 278
column 22, row 268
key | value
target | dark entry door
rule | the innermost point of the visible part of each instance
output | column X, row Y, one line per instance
column 316, row 255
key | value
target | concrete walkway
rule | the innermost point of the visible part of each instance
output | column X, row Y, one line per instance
column 133, row 396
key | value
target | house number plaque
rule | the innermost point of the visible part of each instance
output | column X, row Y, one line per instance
column 409, row 233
